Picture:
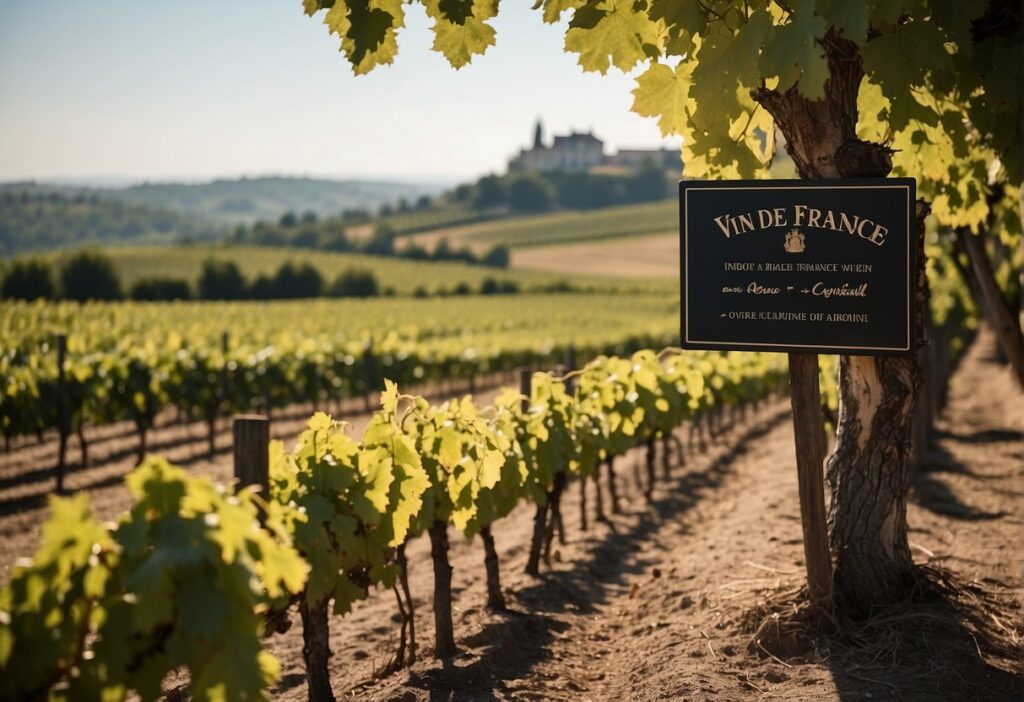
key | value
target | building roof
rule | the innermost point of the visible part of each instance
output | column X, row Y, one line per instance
column 579, row 137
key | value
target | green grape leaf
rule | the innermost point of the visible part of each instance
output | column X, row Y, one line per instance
column 378, row 476
column 899, row 63
column 724, row 62
column 459, row 42
column 553, row 9
column 664, row 93
column 850, row 17
column 618, row 38
column 793, row 55
column 389, row 398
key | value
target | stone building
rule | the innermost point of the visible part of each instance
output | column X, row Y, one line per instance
column 579, row 152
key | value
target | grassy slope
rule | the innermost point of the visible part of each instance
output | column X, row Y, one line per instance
column 404, row 276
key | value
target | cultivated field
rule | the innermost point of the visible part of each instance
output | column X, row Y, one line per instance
column 404, row 276
column 559, row 227
column 628, row 257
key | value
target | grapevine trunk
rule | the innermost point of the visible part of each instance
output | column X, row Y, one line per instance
column 444, row 635
column 868, row 468
column 316, row 649
column 495, row 598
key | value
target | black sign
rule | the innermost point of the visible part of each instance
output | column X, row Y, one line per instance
column 819, row 266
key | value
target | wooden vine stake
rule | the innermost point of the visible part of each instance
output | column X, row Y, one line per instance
column 63, row 423
column 252, row 452
column 805, row 396
column 540, row 517
column 251, row 434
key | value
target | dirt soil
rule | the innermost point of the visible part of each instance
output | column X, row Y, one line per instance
column 649, row 606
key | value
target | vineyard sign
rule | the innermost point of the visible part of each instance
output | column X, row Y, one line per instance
column 812, row 266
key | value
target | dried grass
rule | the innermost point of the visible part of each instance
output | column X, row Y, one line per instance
column 949, row 637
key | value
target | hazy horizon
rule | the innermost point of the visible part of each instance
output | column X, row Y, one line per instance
column 124, row 181
column 104, row 91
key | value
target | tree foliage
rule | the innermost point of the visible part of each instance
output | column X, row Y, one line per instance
column 154, row 289
column 89, row 275
column 940, row 88
column 28, row 279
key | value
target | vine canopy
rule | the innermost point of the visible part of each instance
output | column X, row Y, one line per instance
column 940, row 86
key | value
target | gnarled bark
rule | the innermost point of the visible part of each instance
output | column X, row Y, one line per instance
column 868, row 468
column 316, row 650
column 444, row 634
column 495, row 598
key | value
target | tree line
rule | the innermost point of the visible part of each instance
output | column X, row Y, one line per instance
column 39, row 219
column 308, row 232
column 543, row 192
column 90, row 275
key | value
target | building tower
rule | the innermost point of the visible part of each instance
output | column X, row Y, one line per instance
column 538, row 135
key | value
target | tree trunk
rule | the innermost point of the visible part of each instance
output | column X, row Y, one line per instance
column 680, row 453
column 82, row 444
column 556, row 507
column 1000, row 318
column 444, row 632
column 613, row 491
column 599, row 514
column 495, row 598
column 142, row 444
column 537, row 541
column 649, row 462
column 211, row 432
column 868, row 468
column 316, row 650
column 403, row 579
column 584, row 525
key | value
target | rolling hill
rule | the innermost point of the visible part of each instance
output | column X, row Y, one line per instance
column 246, row 200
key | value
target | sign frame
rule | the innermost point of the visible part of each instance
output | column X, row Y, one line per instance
column 906, row 186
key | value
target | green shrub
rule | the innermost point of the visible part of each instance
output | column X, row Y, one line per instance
column 354, row 282
column 27, row 279
column 89, row 275
column 154, row 289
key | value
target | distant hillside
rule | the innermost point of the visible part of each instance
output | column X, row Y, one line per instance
column 35, row 218
column 561, row 227
column 248, row 200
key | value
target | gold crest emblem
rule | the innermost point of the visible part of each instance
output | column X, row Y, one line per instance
column 794, row 241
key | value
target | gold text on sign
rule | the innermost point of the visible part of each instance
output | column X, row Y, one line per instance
column 802, row 216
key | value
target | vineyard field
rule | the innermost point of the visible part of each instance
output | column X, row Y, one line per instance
column 127, row 361
column 402, row 276
column 561, row 227
column 651, row 575
column 651, row 256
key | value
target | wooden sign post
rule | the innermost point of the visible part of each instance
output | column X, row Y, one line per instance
column 803, row 267
column 805, row 397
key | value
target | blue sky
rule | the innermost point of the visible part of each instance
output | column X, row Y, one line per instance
column 206, row 88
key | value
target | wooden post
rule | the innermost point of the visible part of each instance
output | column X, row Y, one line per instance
column 525, row 387
column 225, row 340
column 805, row 395
column 62, row 410
column 369, row 377
column 252, row 452
column 540, row 517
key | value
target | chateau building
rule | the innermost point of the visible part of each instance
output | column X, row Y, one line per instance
column 579, row 152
